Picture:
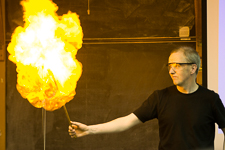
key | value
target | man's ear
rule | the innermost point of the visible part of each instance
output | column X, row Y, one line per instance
column 193, row 68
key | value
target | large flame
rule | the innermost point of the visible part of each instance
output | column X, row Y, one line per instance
column 44, row 52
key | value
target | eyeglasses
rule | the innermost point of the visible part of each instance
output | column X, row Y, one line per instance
column 176, row 66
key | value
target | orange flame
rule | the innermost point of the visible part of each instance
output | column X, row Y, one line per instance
column 44, row 52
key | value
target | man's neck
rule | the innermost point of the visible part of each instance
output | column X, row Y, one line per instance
column 191, row 88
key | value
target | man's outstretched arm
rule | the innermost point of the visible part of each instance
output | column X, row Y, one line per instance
column 117, row 125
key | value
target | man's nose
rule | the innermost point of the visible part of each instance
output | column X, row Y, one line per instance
column 171, row 70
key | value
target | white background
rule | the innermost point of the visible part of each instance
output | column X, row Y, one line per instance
column 215, row 53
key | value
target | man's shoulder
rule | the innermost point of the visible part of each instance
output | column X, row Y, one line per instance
column 201, row 90
column 207, row 94
column 206, row 91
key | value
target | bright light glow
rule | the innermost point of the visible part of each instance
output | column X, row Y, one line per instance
column 44, row 51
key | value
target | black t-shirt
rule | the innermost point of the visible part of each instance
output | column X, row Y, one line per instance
column 186, row 121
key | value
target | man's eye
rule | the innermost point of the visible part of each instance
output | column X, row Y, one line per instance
column 177, row 65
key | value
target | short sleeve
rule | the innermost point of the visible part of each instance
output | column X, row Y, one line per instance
column 148, row 109
column 219, row 112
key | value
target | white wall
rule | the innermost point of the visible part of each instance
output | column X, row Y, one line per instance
column 212, row 54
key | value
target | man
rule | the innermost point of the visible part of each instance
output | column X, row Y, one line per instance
column 186, row 112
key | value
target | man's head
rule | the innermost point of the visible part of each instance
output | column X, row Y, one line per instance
column 183, row 65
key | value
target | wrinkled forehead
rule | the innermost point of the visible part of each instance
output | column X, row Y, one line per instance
column 177, row 57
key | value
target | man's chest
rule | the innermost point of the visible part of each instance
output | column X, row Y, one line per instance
column 178, row 111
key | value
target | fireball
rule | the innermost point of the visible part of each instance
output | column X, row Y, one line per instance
column 44, row 51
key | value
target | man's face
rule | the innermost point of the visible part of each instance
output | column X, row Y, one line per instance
column 179, row 73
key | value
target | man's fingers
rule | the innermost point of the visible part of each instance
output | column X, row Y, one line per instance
column 74, row 126
column 75, row 123
column 71, row 127
column 72, row 132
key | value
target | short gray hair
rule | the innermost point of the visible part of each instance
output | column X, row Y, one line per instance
column 191, row 55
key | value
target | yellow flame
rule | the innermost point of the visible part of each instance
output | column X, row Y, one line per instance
column 44, row 52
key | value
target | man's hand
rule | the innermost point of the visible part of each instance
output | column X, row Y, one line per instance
column 78, row 129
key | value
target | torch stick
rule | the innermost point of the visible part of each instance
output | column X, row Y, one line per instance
column 68, row 117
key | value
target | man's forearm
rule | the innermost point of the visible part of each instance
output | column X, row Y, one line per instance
column 109, row 127
column 117, row 125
